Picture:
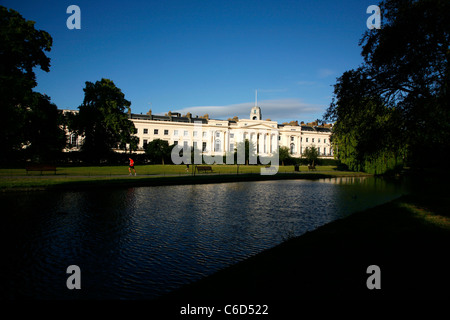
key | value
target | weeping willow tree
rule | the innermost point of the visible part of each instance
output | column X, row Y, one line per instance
column 394, row 109
column 367, row 135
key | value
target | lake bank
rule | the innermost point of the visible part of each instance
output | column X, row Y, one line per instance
column 50, row 182
column 407, row 238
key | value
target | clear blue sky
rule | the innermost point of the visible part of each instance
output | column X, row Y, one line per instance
column 203, row 56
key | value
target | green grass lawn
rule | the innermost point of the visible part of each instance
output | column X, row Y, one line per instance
column 152, row 170
column 15, row 179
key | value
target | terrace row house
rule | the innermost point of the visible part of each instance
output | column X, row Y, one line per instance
column 218, row 137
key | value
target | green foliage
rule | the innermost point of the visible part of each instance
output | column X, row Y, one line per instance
column 42, row 135
column 394, row 108
column 284, row 155
column 102, row 119
column 22, row 48
column 249, row 147
column 311, row 154
column 158, row 151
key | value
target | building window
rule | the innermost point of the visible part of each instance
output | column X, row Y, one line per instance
column 155, row 131
column 231, row 147
column 185, row 144
column 195, row 145
column 306, row 139
column 166, row 132
column 231, row 135
column 324, row 140
column 204, row 146
column 292, row 148
column 145, row 131
column 318, row 150
column 145, row 143
column 195, row 133
column 175, row 132
column 292, row 138
column 217, row 147
column 324, row 150
column 218, row 134
column 318, row 140
column 186, row 133
column 204, row 134
column 73, row 140
column 313, row 140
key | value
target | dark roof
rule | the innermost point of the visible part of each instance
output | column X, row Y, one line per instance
column 315, row 128
column 323, row 129
column 166, row 118
column 307, row 128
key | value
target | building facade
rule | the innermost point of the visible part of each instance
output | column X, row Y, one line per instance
column 219, row 137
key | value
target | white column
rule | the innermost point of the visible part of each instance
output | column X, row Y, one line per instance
column 225, row 141
column 265, row 144
column 259, row 141
column 274, row 143
column 212, row 138
column 270, row 143
column 301, row 144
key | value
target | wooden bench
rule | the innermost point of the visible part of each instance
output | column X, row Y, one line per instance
column 312, row 167
column 40, row 167
column 204, row 168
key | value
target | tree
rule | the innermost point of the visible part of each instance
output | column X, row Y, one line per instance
column 409, row 55
column 43, row 136
column 131, row 141
column 394, row 108
column 409, row 60
column 284, row 155
column 249, row 149
column 311, row 154
column 367, row 135
column 22, row 48
column 158, row 150
column 102, row 119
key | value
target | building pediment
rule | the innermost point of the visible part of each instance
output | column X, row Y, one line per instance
column 258, row 126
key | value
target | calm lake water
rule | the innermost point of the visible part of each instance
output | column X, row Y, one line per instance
column 138, row 243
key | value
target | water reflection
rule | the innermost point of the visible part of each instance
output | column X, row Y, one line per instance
column 142, row 242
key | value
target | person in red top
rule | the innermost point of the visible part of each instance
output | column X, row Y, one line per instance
column 131, row 166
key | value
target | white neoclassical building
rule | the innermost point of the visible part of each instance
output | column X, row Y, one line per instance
column 218, row 137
